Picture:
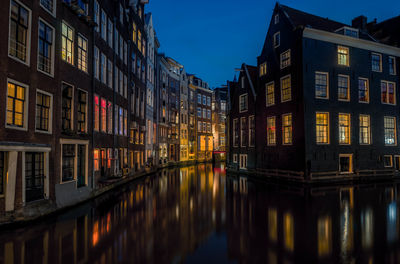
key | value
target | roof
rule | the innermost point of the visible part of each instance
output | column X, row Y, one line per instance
column 387, row 31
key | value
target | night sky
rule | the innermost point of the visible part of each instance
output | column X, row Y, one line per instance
column 213, row 37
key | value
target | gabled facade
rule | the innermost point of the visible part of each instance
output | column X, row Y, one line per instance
column 219, row 113
column 242, row 119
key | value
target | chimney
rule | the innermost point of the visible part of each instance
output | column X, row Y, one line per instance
column 359, row 22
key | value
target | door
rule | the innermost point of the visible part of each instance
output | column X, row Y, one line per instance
column 34, row 176
column 346, row 163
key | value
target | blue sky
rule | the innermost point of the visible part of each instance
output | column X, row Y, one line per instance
column 213, row 37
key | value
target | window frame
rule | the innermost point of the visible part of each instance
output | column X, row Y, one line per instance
column 369, row 130
column 80, row 52
column 87, row 109
column 51, row 73
column 391, row 161
column 368, row 90
column 72, row 104
column 269, row 143
column 380, row 61
column 351, row 168
column 281, row 82
column 348, row 56
column 349, row 129
column 291, row 129
column 395, row 131
column 267, row 93
column 263, row 69
column 73, row 44
column 247, row 103
column 276, row 45
column 348, row 88
column 50, row 125
column 327, row 129
column 327, row 85
column 394, row 65
column 252, row 117
column 26, row 106
column 288, row 60
column 387, row 92
column 54, row 11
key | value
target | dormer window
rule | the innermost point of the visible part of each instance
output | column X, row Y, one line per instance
column 276, row 19
column 348, row 31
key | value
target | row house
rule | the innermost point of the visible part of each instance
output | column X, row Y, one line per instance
column 242, row 118
column 162, row 96
column 219, row 119
column 184, row 117
column 192, row 112
column 327, row 103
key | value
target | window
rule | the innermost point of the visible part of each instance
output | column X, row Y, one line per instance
column 96, row 63
column 82, row 111
column 204, row 113
column 276, row 19
column 134, row 32
column 43, row 111
column 204, row 100
column 68, row 162
column 243, row 103
column 388, row 161
column 45, row 48
column 344, row 129
column 199, row 112
column 103, row 25
column 365, row 130
column 345, row 163
column 270, row 94
column 322, row 128
column 209, row 114
column 96, row 14
column 263, row 69
column 208, row 100
column 363, row 90
column 343, row 88
column 67, row 106
column 376, row 62
column 110, row 117
column 19, row 35
column 390, row 131
column 243, row 129
column 277, row 39
column 243, row 161
column 67, row 43
column 96, row 159
column 125, row 122
column 200, row 126
column 392, row 65
column 235, row 158
column 110, row 33
column 116, row 41
column 388, row 92
column 110, row 74
column 285, row 59
column 82, row 53
column 139, row 40
column 286, row 89
column 34, row 176
column 235, row 132
column 271, row 131
column 321, row 85
column 287, row 129
column 96, row 113
column 343, row 56
column 121, row 121
column 16, row 105
column 103, row 67
column 103, row 105
column 48, row 5
column 252, row 131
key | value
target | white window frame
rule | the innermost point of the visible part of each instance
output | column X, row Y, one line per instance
column 28, row 41
column 348, row 88
column 387, row 87
column 380, row 61
column 350, row 124
column 51, row 74
column 54, row 11
column 369, row 130
column 87, row 108
column 76, row 143
column 348, row 55
column 235, row 158
column 247, row 103
column 26, row 106
column 266, row 93
column 87, row 52
column 327, row 85
column 368, row 89
column 394, row 65
column 290, row 80
column 50, row 131
column 281, row 59
column 328, row 129
column 243, row 159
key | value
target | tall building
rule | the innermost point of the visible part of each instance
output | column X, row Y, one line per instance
column 184, row 117
column 327, row 101
column 219, row 111
column 192, row 127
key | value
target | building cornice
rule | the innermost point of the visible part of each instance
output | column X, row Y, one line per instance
column 335, row 38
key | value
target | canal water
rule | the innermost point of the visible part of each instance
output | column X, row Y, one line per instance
column 199, row 214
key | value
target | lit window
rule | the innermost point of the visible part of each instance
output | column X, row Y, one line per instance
column 82, row 53
column 343, row 56
column 376, row 62
column 270, row 93
column 344, row 129
column 96, row 159
column 285, row 59
column 252, row 131
column 321, row 85
column 96, row 113
column 103, row 106
column 363, row 90
column 67, row 106
column 243, row 103
column 388, row 161
column 243, row 129
column 271, row 131
column 67, row 43
column 365, row 130
column 45, row 47
column 263, row 69
column 16, row 105
column 322, row 128
column 235, row 132
column 388, row 92
column 82, row 111
column 277, row 39
column 19, row 35
column 43, row 105
column 286, row 89
column 287, row 129
column 390, row 131
column 139, row 40
column 343, row 88
column 392, row 65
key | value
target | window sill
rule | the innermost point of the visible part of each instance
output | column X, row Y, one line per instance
column 16, row 128
column 43, row 132
column 20, row 61
column 66, row 182
column 51, row 74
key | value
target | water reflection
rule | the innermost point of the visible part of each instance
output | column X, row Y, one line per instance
column 198, row 214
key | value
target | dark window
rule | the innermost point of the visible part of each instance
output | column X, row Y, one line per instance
column 45, row 47
column 345, row 163
column 67, row 107
column 82, row 103
column 48, row 4
column 252, row 131
column 19, row 23
column 321, row 85
column 2, row 171
column 34, row 176
column 376, row 62
column 81, row 165
column 68, row 161
column 43, row 102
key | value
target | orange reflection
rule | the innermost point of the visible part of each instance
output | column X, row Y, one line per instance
column 273, row 224
column 288, row 231
column 95, row 236
column 324, row 236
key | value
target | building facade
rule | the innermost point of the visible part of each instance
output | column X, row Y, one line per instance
column 219, row 111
